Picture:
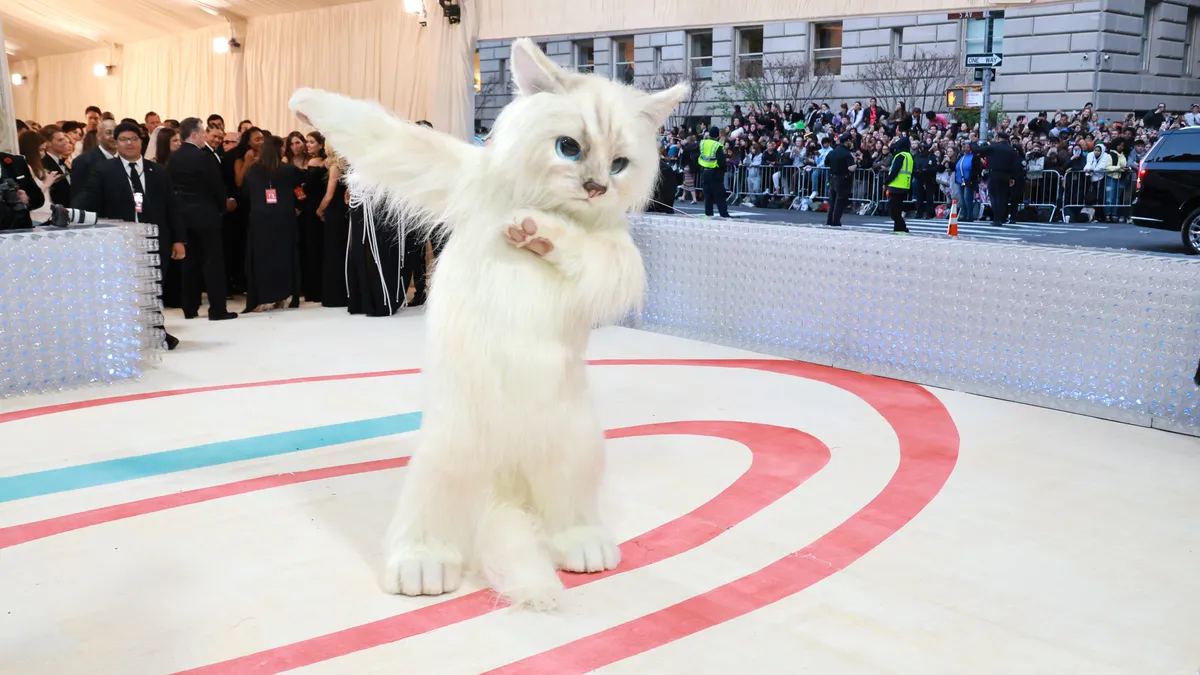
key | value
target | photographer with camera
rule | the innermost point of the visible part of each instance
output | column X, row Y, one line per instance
column 19, row 193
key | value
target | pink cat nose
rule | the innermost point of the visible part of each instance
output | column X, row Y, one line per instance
column 594, row 189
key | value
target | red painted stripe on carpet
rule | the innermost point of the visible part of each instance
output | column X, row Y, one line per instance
column 145, row 396
column 26, row 532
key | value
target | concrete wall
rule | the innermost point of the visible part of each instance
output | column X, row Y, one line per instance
column 1058, row 56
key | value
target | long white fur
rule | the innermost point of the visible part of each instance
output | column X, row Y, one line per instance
column 510, row 457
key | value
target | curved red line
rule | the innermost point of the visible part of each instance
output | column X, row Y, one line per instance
column 782, row 459
column 928, row 452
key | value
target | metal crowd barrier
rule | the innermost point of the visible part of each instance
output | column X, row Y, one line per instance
column 1060, row 194
column 1108, row 196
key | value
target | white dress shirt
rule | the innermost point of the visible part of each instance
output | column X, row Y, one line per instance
column 141, row 169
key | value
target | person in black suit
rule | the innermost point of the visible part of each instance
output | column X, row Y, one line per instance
column 196, row 175
column 132, row 189
column 14, row 167
column 58, row 151
column 1003, row 165
column 840, row 162
column 81, row 168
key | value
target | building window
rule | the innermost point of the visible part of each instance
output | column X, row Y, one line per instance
column 750, row 52
column 896, row 49
column 975, row 41
column 502, row 78
column 657, row 60
column 622, row 55
column 1148, row 33
column 585, row 56
column 827, row 48
column 700, row 54
column 1190, row 57
column 478, row 77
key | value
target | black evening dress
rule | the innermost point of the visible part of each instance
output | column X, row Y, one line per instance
column 272, row 238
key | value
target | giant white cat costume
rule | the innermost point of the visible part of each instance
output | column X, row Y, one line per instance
column 507, row 471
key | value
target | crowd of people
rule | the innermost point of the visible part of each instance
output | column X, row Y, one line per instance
column 238, row 212
column 1078, row 162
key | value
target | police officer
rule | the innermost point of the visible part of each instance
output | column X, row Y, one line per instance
column 899, row 182
column 1003, row 165
column 30, row 196
column 712, row 173
column 840, row 162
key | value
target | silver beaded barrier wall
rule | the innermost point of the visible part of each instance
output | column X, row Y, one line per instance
column 77, row 307
column 1106, row 334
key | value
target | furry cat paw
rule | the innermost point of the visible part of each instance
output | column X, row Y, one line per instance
column 524, row 235
column 416, row 569
column 585, row 549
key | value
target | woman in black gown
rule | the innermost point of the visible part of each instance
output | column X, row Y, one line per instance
column 334, row 211
column 312, row 228
column 373, row 262
column 272, row 241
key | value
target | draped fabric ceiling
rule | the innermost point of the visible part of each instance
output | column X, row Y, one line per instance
column 163, row 59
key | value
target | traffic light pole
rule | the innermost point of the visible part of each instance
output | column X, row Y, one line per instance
column 987, row 83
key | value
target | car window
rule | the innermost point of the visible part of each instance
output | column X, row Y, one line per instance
column 1176, row 148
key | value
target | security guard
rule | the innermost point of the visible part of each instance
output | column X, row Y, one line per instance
column 712, row 173
column 14, row 167
column 840, row 162
column 1003, row 165
column 899, row 182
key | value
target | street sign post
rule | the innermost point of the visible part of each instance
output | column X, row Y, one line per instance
column 984, row 60
column 989, row 44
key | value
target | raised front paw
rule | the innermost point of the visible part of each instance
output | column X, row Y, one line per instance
column 419, row 569
column 585, row 549
column 525, row 235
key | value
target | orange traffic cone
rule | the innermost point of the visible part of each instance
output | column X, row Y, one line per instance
column 952, row 228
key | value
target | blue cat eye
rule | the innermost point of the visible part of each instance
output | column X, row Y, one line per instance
column 618, row 165
column 568, row 148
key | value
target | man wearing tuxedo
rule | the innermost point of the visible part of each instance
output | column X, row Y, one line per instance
column 133, row 189
column 196, row 175
column 58, row 153
column 81, row 168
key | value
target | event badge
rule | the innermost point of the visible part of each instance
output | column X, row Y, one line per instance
column 271, row 197
column 137, row 202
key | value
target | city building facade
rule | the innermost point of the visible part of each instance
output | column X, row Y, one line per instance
column 1120, row 55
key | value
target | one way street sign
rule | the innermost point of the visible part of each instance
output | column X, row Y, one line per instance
column 984, row 60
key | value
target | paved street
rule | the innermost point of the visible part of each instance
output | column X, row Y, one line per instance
column 1094, row 235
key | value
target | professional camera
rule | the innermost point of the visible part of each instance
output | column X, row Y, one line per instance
column 10, row 196
column 61, row 216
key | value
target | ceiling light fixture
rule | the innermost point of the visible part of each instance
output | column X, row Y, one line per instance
column 224, row 45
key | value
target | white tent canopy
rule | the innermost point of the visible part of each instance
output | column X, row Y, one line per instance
column 163, row 60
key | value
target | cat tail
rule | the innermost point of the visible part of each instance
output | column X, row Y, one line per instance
column 514, row 558
column 414, row 173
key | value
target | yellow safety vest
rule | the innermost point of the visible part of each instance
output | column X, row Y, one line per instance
column 708, row 153
column 903, row 180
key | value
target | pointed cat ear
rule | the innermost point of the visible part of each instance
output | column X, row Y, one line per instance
column 658, row 106
column 532, row 70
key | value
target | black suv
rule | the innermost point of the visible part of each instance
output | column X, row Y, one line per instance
column 1168, row 186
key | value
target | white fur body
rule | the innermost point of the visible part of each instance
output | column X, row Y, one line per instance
column 507, row 471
